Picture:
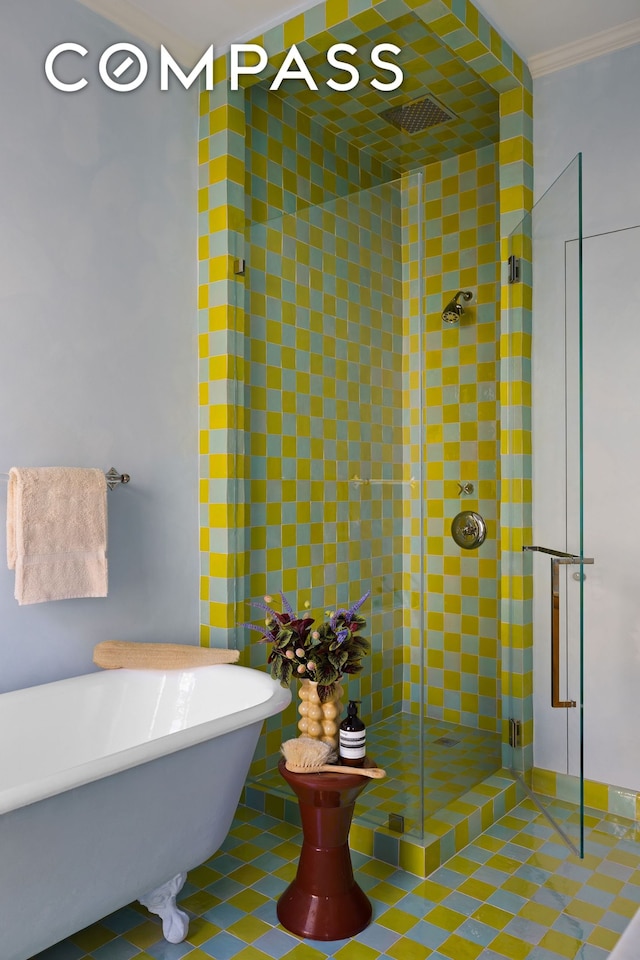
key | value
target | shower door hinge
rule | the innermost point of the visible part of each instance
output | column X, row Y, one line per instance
column 396, row 822
column 514, row 269
column 515, row 735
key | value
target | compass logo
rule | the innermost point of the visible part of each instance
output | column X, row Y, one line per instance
column 117, row 62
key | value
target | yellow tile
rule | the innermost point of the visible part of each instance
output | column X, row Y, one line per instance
column 397, row 920
column 481, row 891
column 623, row 857
column 431, row 890
column 248, row 928
column 508, row 946
column 356, row 951
column 563, row 885
column 411, row 857
column 596, row 795
column 603, row 882
column 539, row 913
column 626, row 907
column 602, row 937
column 92, row 937
column 459, row 948
column 560, row 943
column 406, row 949
column 149, row 933
column 303, row 951
column 445, row 918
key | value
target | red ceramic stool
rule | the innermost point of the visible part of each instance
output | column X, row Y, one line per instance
column 324, row 902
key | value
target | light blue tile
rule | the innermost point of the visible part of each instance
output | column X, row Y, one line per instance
column 506, row 901
column 170, row 951
column 551, row 898
column 376, row 936
column 526, row 930
column 275, row 943
column 574, row 927
column 614, row 921
column 223, row 946
column 588, row 952
column 223, row 914
column 460, row 902
column 270, row 886
column 428, row 934
column 600, row 898
column 540, row 953
column 477, row 932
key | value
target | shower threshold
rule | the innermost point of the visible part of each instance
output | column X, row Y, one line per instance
column 464, row 789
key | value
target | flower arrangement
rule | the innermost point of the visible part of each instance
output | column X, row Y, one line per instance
column 322, row 653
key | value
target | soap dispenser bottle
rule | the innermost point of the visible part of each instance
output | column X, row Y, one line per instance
column 353, row 747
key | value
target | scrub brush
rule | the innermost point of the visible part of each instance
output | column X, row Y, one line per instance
column 305, row 755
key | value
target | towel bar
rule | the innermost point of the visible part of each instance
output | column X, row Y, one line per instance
column 112, row 475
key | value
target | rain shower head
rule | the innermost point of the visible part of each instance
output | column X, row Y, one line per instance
column 454, row 310
column 418, row 115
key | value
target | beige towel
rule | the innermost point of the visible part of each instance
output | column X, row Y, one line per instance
column 57, row 533
column 140, row 655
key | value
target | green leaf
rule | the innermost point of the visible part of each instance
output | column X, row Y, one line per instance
column 338, row 659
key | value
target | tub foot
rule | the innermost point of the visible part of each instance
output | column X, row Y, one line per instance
column 162, row 902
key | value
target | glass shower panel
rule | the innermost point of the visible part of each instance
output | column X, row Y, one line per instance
column 545, row 560
column 332, row 444
column 462, row 730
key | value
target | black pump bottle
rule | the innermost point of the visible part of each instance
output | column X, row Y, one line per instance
column 353, row 735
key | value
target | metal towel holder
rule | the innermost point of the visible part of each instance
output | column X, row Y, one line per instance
column 114, row 478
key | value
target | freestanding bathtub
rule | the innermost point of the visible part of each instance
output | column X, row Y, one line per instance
column 112, row 786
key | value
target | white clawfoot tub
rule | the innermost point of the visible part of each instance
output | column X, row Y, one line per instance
column 112, row 786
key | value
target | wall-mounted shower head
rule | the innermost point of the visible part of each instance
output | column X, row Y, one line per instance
column 454, row 310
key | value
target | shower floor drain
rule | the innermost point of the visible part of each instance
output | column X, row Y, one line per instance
column 446, row 741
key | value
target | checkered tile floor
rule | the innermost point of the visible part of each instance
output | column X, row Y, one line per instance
column 515, row 893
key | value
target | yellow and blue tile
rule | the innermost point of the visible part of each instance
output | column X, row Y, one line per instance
column 515, row 893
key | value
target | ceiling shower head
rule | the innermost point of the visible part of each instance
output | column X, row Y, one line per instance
column 454, row 310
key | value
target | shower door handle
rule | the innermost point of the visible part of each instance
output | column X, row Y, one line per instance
column 558, row 557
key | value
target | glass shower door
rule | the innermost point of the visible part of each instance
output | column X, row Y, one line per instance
column 545, row 558
column 332, row 445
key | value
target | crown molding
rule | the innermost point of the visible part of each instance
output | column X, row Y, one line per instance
column 144, row 27
column 624, row 35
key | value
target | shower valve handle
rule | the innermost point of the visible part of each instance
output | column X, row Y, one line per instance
column 468, row 529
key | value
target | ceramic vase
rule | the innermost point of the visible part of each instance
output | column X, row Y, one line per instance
column 319, row 720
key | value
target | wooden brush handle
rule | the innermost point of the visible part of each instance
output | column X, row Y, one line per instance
column 135, row 655
column 376, row 773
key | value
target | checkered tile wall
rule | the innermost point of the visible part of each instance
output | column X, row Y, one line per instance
column 462, row 428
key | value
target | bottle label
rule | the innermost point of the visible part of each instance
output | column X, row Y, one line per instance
column 352, row 744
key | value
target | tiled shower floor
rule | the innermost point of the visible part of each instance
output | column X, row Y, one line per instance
column 450, row 768
column 515, row 893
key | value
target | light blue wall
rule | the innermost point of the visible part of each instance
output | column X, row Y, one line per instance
column 593, row 107
column 97, row 330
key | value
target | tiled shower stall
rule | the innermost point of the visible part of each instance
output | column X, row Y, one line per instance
column 339, row 414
